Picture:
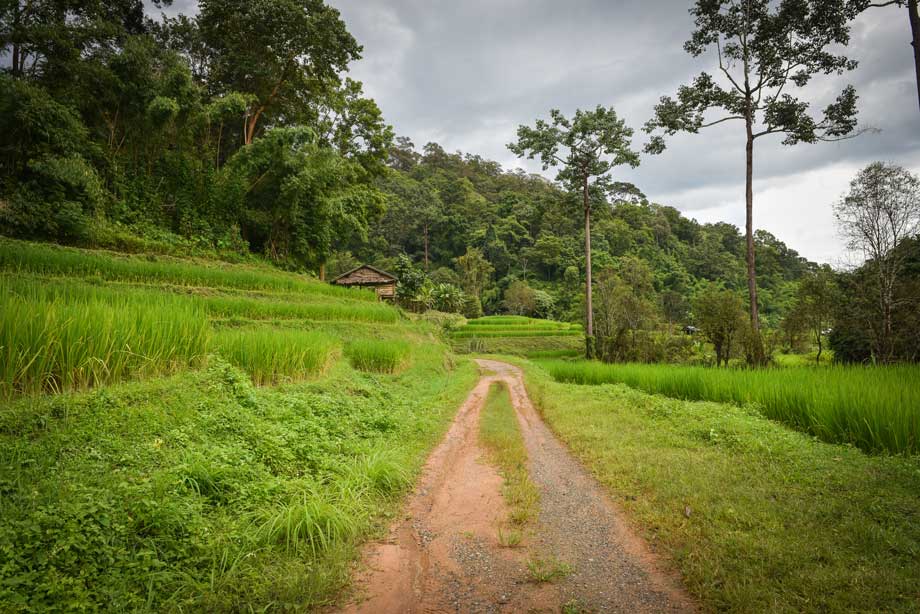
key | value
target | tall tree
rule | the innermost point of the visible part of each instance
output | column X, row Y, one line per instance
column 282, row 52
column 586, row 148
column 293, row 197
column 47, row 38
column 913, row 18
column 881, row 210
column 763, row 48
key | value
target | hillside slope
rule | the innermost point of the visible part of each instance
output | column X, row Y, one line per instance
column 179, row 435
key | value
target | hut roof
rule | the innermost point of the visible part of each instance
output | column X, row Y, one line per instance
column 389, row 276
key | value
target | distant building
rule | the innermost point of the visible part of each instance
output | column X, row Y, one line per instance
column 366, row 276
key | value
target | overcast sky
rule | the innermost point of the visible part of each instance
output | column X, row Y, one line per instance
column 466, row 73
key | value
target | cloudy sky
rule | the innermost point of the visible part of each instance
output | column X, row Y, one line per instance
column 466, row 74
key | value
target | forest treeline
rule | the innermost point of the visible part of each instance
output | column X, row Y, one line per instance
column 238, row 131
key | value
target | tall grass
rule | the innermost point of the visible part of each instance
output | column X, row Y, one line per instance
column 874, row 408
column 380, row 356
column 18, row 256
column 232, row 306
column 57, row 337
column 272, row 355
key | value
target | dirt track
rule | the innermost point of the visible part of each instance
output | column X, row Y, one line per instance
column 444, row 555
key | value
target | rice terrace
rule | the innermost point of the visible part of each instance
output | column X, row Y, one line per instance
column 514, row 307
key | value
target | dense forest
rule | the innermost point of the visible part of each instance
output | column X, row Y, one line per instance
column 238, row 131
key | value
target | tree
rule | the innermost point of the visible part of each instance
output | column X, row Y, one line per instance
column 587, row 146
column 449, row 298
column 474, row 270
column 282, row 52
column 817, row 297
column 520, row 299
column 720, row 315
column 294, row 197
column 881, row 210
column 792, row 329
column 913, row 18
column 414, row 209
column 625, row 306
column 763, row 48
column 47, row 38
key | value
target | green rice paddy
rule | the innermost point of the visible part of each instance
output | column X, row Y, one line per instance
column 74, row 319
column 874, row 408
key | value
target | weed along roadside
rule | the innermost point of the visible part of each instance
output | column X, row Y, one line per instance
column 498, row 470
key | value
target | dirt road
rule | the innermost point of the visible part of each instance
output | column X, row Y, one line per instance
column 444, row 555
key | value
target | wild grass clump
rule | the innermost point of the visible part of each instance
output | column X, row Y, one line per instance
column 20, row 256
column 873, row 408
column 500, row 433
column 271, row 356
column 57, row 336
column 377, row 355
column 547, row 569
column 313, row 523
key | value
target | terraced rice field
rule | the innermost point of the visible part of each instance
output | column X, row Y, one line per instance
column 74, row 319
column 519, row 335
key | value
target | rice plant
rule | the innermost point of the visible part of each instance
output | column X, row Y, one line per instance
column 377, row 355
column 874, row 408
column 271, row 356
column 252, row 308
column 19, row 256
column 516, row 321
column 464, row 333
column 57, row 337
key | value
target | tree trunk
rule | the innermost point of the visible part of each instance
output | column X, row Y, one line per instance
column 820, row 346
column 914, row 17
column 757, row 354
column 589, row 308
column 322, row 272
column 251, row 123
column 426, row 246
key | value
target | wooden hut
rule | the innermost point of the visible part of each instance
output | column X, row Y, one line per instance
column 366, row 276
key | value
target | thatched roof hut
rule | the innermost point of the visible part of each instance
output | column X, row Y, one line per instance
column 366, row 276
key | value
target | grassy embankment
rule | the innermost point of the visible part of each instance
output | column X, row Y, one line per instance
column 142, row 468
column 873, row 408
column 757, row 517
column 519, row 336
column 500, row 434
